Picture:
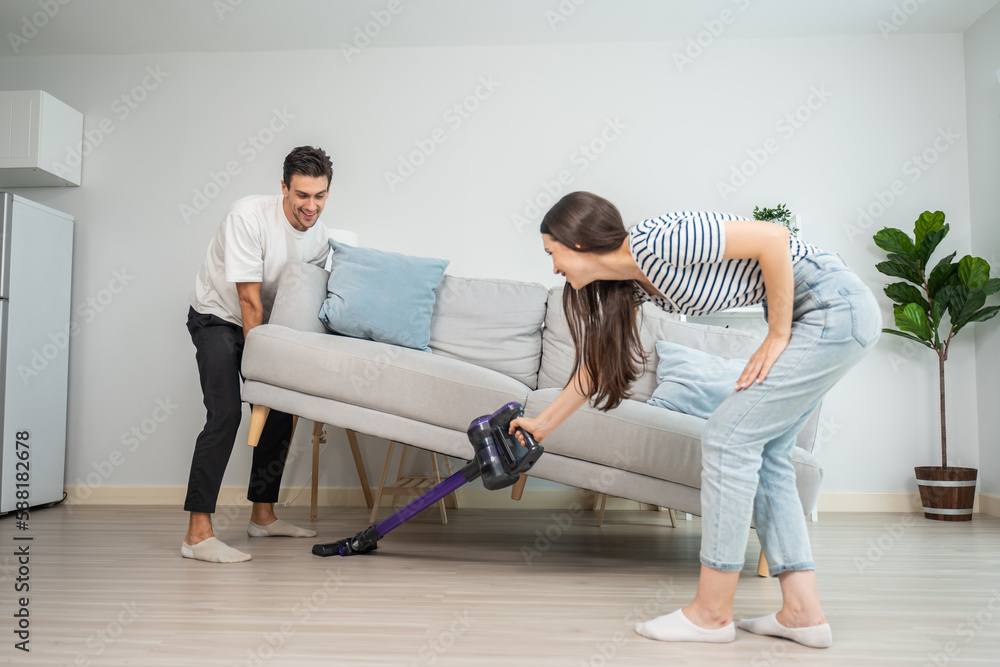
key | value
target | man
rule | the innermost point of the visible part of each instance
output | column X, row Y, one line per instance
column 233, row 293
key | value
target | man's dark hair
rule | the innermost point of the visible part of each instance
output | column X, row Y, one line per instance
column 307, row 161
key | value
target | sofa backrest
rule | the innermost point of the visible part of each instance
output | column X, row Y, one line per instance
column 493, row 323
column 654, row 325
column 301, row 293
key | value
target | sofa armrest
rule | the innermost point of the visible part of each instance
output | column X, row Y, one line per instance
column 300, row 295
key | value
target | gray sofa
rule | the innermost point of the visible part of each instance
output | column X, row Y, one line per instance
column 492, row 341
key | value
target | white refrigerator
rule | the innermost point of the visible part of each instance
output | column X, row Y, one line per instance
column 36, row 269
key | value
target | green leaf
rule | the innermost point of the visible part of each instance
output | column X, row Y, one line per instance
column 902, row 293
column 906, row 335
column 974, row 272
column 926, row 223
column 945, row 273
column 912, row 263
column 941, row 306
column 913, row 319
column 984, row 314
column 928, row 243
column 992, row 286
column 896, row 241
column 975, row 300
column 963, row 304
column 898, row 269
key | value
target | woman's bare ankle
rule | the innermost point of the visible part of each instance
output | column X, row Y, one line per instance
column 708, row 618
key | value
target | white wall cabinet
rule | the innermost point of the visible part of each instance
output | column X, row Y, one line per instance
column 40, row 140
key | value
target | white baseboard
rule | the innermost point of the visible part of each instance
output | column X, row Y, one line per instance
column 989, row 504
column 473, row 497
column 479, row 498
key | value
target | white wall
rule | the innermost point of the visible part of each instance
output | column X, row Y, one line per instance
column 982, row 63
column 677, row 134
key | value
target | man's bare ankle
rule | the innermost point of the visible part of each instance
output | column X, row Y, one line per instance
column 194, row 538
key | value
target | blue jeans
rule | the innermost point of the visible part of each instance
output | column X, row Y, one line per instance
column 747, row 470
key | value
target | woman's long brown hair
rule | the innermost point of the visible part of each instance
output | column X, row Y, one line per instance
column 601, row 315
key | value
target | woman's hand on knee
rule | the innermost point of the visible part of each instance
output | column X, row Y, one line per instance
column 760, row 363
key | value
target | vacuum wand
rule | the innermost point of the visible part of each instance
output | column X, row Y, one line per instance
column 500, row 459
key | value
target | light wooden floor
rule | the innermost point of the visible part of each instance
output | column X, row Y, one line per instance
column 108, row 587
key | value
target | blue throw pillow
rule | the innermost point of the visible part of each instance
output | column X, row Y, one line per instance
column 382, row 296
column 692, row 381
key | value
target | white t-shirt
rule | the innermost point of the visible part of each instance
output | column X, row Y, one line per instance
column 252, row 245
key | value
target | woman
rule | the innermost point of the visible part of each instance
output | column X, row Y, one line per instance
column 822, row 319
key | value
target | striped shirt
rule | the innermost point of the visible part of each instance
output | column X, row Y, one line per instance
column 682, row 255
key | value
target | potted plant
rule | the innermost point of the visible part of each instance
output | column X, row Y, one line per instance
column 780, row 215
column 931, row 308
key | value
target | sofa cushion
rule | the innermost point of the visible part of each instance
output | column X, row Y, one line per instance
column 692, row 381
column 634, row 436
column 387, row 378
column 496, row 324
column 381, row 295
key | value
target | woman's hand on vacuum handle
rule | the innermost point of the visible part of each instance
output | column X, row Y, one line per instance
column 533, row 426
column 569, row 400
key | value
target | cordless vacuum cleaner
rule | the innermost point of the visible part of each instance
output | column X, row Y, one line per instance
column 500, row 461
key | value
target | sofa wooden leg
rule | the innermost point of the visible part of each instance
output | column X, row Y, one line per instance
column 600, row 513
column 453, row 496
column 518, row 488
column 318, row 439
column 762, row 569
column 673, row 518
column 359, row 463
column 381, row 481
column 257, row 419
column 437, row 480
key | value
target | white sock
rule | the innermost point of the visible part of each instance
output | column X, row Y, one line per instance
column 676, row 627
column 213, row 550
column 815, row 636
column 278, row 528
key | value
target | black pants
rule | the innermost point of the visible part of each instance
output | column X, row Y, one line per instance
column 219, row 351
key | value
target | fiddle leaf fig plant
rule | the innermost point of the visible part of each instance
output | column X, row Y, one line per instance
column 934, row 304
